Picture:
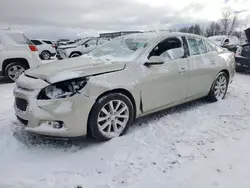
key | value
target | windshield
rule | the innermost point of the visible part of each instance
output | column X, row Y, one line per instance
column 122, row 48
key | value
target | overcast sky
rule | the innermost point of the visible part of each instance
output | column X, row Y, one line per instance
column 72, row 18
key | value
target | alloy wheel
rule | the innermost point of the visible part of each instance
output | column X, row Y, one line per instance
column 113, row 118
column 15, row 71
column 220, row 87
column 46, row 55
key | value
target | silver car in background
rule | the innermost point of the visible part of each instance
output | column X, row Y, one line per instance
column 128, row 77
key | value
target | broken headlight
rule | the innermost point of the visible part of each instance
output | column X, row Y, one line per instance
column 62, row 89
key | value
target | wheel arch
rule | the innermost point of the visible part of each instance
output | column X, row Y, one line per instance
column 118, row 90
column 23, row 61
column 226, row 72
column 75, row 52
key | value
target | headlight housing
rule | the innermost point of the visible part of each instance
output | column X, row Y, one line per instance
column 62, row 89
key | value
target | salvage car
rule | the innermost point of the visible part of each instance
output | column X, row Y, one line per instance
column 131, row 76
column 242, row 56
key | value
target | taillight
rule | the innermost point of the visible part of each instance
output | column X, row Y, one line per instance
column 53, row 45
column 33, row 48
column 238, row 51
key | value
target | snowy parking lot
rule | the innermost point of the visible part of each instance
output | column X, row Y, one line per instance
column 199, row 144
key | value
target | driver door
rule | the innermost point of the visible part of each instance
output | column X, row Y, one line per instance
column 167, row 83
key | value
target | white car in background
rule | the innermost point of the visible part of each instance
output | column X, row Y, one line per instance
column 17, row 54
column 46, row 48
column 80, row 48
column 131, row 76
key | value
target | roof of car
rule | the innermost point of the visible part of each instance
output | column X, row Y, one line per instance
column 157, row 34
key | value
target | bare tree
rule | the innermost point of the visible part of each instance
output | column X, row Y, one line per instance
column 213, row 29
column 228, row 23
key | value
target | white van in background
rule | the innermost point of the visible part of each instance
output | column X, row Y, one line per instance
column 17, row 54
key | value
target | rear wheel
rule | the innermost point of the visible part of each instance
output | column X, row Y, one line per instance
column 219, row 87
column 111, row 116
column 13, row 71
column 46, row 55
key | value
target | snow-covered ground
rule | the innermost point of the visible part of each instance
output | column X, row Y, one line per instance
column 196, row 145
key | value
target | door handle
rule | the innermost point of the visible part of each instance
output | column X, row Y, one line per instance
column 182, row 70
column 212, row 62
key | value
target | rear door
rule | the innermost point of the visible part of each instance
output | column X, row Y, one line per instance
column 201, row 63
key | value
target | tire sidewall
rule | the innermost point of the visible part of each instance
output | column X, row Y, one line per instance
column 92, row 122
column 7, row 70
column 212, row 93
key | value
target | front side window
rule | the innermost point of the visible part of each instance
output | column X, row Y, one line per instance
column 169, row 49
column 36, row 42
column 91, row 42
column 193, row 46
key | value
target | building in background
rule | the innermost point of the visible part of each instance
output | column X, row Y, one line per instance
column 117, row 34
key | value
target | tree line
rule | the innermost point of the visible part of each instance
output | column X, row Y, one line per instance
column 225, row 26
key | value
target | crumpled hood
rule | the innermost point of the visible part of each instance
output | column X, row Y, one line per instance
column 73, row 68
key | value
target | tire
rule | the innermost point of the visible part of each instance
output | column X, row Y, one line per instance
column 102, row 124
column 45, row 55
column 219, row 88
column 75, row 54
column 14, row 70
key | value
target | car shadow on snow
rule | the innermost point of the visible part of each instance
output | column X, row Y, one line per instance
column 4, row 80
column 143, row 121
column 76, row 144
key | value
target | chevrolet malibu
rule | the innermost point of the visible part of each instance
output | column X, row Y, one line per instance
column 131, row 76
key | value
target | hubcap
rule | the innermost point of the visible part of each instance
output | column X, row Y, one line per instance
column 15, row 71
column 113, row 118
column 46, row 55
column 220, row 87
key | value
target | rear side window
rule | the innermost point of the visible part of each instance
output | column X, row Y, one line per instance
column 201, row 45
column 36, row 42
column 47, row 41
column 19, row 38
column 193, row 46
column 214, row 46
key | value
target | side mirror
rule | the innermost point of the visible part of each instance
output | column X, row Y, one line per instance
column 154, row 60
column 226, row 43
column 86, row 45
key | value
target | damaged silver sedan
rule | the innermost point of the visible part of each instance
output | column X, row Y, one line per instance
column 131, row 76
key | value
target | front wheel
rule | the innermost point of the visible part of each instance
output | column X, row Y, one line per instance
column 219, row 88
column 13, row 71
column 110, row 116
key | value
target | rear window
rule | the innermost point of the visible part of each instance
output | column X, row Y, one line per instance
column 36, row 42
column 19, row 38
column 47, row 41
